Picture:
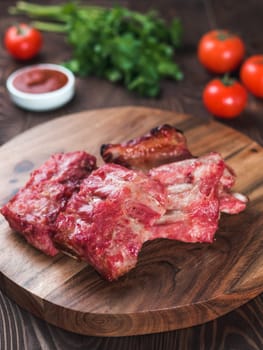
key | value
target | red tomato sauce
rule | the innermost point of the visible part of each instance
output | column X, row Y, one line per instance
column 40, row 80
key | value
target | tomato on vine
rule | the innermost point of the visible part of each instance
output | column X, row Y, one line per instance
column 220, row 51
column 22, row 41
column 225, row 98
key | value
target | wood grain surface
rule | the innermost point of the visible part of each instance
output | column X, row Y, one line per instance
column 175, row 285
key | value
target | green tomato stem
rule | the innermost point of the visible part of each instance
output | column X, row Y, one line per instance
column 227, row 80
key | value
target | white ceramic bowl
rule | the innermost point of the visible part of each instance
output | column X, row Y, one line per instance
column 43, row 101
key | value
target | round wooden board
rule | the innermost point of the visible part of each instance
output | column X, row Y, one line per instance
column 174, row 285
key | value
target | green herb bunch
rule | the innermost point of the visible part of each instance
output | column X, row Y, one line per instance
column 114, row 43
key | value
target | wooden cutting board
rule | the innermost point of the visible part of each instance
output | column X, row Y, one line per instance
column 175, row 284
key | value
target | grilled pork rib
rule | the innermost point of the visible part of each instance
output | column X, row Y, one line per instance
column 163, row 144
column 33, row 210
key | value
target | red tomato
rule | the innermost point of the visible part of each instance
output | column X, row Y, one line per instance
column 22, row 41
column 225, row 98
column 251, row 74
column 220, row 51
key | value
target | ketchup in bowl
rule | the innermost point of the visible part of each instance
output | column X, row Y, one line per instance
column 40, row 80
column 41, row 87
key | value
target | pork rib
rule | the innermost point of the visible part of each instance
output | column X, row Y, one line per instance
column 163, row 144
column 109, row 219
column 194, row 201
column 33, row 210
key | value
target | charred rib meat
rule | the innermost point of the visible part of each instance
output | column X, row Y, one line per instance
column 163, row 144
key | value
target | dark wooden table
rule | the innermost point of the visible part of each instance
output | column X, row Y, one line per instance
column 241, row 329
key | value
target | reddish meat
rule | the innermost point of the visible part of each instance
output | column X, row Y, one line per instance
column 104, row 216
column 163, row 144
column 117, row 210
column 195, row 198
column 108, row 221
column 230, row 202
column 33, row 210
column 193, row 204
